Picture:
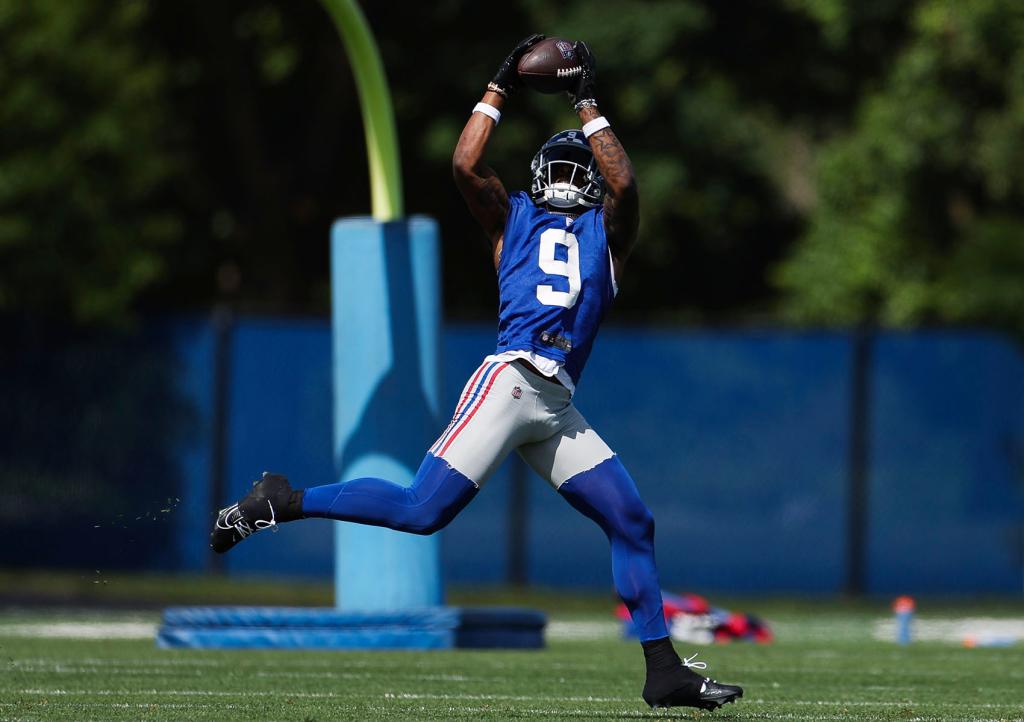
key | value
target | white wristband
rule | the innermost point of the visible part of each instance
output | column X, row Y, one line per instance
column 599, row 123
column 489, row 110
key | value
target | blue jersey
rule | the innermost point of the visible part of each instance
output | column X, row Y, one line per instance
column 554, row 283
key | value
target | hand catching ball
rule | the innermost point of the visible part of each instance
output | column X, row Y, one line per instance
column 550, row 66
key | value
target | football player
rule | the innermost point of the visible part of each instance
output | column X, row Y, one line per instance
column 559, row 252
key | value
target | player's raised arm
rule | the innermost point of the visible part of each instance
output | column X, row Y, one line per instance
column 621, row 200
column 479, row 184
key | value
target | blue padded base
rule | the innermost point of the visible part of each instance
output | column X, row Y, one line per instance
column 328, row 628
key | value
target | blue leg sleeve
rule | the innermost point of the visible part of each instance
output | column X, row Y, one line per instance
column 608, row 495
column 437, row 494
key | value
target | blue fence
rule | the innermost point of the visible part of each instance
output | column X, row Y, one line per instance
column 739, row 441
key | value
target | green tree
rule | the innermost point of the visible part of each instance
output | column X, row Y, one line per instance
column 157, row 153
column 920, row 212
column 83, row 153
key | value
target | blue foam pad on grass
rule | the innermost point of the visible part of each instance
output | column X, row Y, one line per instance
column 446, row 617
column 329, row 628
column 308, row 638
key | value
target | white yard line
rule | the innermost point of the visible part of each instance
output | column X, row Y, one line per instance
column 983, row 630
column 629, row 700
column 146, row 669
column 648, row 714
column 233, row 662
column 751, row 707
column 584, row 630
column 57, row 692
column 564, row 630
column 143, row 705
column 174, row 693
column 80, row 630
column 506, row 698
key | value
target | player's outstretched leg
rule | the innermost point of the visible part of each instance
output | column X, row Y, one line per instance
column 438, row 492
column 608, row 495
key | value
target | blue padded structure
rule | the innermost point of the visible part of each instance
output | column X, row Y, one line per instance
column 385, row 320
column 330, row 628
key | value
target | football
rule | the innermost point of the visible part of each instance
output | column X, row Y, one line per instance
column 550, row 66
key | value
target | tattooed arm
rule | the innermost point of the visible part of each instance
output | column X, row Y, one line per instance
column 621, row 200
column 479, row 184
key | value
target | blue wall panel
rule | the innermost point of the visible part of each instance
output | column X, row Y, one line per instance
column 280, row 420
column 947, row 480
column 737, row 443
column 193, row 342
column 737, row 440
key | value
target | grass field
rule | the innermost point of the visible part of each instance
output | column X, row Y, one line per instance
column 825, row 665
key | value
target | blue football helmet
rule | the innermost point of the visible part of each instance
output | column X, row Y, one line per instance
column 565, row 175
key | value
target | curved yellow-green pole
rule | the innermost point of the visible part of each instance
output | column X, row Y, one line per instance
column 375, row 103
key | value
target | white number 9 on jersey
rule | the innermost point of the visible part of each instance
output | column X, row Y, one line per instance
column 568, row 269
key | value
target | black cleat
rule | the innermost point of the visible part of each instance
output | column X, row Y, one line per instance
column 713, row 695
column 681, row 687
column 270, row 501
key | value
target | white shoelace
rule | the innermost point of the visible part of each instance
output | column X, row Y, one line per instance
column 688, row 662
column 241, row 524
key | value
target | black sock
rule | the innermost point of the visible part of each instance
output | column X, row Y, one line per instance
column 659, row 654
column 668, row 681
column 293, row 509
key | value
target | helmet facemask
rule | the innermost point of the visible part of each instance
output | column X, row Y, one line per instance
column 565, row 175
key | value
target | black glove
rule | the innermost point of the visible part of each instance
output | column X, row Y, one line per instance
column 583, row 93
column 507, row 79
